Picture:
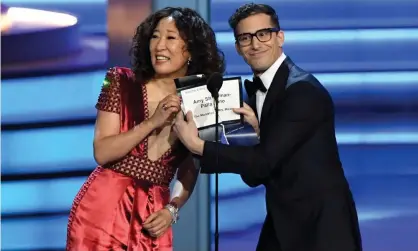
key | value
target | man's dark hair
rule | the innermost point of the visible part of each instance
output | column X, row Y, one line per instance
column 206, row 58
column 251, row 9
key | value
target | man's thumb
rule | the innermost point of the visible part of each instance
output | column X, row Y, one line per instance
column 189, row 116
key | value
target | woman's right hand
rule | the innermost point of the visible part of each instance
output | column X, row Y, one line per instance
column 166, row 111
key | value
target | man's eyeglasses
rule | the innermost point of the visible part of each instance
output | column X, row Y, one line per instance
column 263, row 35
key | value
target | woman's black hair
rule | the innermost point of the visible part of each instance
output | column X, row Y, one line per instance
column 206, row 58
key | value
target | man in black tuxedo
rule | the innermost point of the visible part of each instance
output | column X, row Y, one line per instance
column 309, row 202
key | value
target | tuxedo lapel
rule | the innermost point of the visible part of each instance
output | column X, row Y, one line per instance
column 252, row 104
column 276, row 91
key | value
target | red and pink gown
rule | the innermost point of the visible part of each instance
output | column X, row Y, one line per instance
column 111, row 206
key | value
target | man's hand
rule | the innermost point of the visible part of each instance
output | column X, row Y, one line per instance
column 157, row 223
column 249, row 116
column 187, row 132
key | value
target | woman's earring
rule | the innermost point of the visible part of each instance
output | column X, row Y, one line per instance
column 188, row 61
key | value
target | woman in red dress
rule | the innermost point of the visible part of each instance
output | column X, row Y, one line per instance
column 125, row 203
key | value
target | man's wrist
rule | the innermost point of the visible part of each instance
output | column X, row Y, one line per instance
column 198, row 146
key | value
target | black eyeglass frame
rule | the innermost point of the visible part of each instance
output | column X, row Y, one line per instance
column 269, row 30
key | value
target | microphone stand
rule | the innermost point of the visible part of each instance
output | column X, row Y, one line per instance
column 216, row 99
column 214, row 84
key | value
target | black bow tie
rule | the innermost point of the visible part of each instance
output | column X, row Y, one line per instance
column 253, row 86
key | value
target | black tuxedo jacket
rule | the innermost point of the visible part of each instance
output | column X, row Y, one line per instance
column 297, row 161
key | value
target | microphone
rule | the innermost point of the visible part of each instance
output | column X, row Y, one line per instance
column 214, row 84
column 189, row 80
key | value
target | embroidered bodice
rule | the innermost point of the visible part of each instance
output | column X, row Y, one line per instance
column 123, row 95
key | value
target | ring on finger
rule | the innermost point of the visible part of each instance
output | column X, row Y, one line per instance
column 165, row 106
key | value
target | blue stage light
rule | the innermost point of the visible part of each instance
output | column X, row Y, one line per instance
column 53, row 195
column 34, row 234
column 73, row 96
column 47, row 150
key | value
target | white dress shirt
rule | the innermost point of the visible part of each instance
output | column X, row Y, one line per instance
column 267, row 78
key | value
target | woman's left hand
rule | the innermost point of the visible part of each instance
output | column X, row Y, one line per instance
column 157, row 223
